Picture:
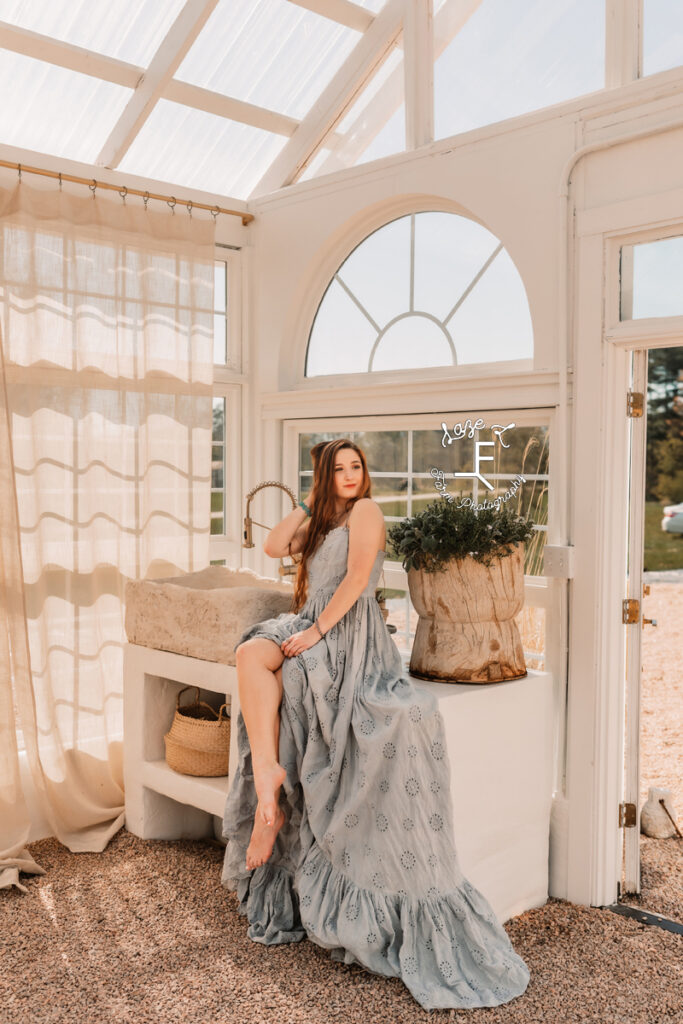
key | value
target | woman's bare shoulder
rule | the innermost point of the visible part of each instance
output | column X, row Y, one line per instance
column 367, row 510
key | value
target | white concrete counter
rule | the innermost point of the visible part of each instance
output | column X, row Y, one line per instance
column 499, row 738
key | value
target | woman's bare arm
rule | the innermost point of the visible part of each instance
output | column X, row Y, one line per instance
column 292, row 528
column 366, row 529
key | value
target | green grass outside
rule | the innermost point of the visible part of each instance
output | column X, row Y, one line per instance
column 662, row 550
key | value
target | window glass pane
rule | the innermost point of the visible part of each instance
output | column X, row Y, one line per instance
column 449, row 252
column 219, row 420
column 662, row 35
column 531, row 625
column 218, row 467
column 413, row 341
column 514, row 56
column 378, row 272
column 220, row 339
column 390, row 493
column 428, row 289
column 505, row 452
column 217, row 512
column 515, row 451
column 652, row 279
column 342, row 336
column 220, row 291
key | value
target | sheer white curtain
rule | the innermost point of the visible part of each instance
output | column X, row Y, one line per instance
column 106, row 317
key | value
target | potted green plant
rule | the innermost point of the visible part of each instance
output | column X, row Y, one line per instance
column 466, row 579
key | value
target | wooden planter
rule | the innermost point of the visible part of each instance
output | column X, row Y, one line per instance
column 466, row 631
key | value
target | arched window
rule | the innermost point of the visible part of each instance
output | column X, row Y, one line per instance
column 427, row 289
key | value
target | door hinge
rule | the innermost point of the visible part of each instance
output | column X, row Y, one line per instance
column 635, row 403
column 627, row 815
column 630, row 610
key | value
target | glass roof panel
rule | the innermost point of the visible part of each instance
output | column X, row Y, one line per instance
column 268, row 52
column 129, row 30
column 514, row 56
column 53, row 110
column 373, row 126
column 200, row 150
column 662, row 36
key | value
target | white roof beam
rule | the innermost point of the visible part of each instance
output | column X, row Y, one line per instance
column 226, row 106
column 343, row 11
column 447, row 23
column 66, row 55
column 358, row 68
column 167, row 59
column 418, row 67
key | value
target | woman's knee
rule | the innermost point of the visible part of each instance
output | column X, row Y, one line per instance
column 259, row 651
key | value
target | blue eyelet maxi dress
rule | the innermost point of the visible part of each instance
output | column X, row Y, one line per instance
column 365, row 864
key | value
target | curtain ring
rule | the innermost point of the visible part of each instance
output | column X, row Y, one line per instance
column 189, row 207
column 214, row 213
column 19, row 169
column 60, row 181
column 171, row 204
column 145, row 199
column 93, row 187
column 123, row 192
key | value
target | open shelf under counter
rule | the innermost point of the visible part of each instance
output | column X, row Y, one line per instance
column 160, row 802
column 203, row 792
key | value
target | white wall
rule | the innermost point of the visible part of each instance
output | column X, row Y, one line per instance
column 511, row 178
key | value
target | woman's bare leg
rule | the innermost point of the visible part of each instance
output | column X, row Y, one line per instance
column 259, row 679
column 263, row 836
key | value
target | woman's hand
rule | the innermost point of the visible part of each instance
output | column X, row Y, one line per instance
column 298, row 642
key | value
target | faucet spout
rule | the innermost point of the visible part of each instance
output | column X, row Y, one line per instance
column 285, row 570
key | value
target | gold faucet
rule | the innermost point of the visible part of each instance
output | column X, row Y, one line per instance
column 284, row 569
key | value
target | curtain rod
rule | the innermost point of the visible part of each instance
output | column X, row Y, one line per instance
column 123, row 191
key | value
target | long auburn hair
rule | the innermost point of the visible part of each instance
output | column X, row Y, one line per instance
column 324, row 512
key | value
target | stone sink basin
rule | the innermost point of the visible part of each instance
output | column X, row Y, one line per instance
column 202, row 614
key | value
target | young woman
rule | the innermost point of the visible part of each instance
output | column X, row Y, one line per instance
column 338, row 822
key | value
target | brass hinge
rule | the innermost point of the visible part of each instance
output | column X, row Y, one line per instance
column 635, row 403
column 630, row 611
column 627, row 815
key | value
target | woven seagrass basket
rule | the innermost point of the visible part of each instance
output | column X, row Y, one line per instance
column 198, row 742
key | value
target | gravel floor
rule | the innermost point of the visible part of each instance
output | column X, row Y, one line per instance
column 144, row 932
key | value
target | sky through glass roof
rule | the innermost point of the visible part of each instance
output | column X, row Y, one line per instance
column 222, row 87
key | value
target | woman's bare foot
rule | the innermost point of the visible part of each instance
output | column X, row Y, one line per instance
column 263, row 839
column 267, row 782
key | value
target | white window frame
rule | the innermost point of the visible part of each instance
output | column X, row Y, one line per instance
column 231, row 384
